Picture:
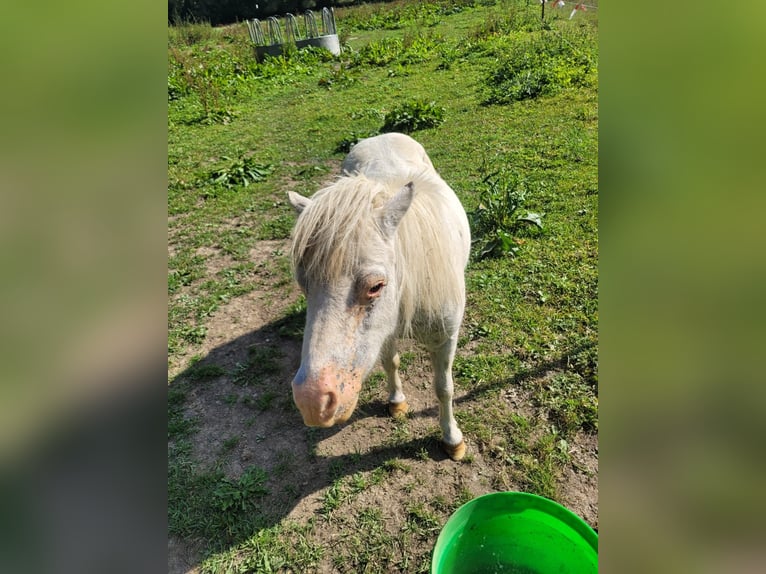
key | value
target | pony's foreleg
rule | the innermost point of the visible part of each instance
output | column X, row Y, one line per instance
column 441, row 358
column 397, row 403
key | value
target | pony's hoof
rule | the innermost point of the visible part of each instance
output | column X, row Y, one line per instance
column 398, row 410
column 455, row 452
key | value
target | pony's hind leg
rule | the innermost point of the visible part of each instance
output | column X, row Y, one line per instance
column 397, row 403
column 441, row 358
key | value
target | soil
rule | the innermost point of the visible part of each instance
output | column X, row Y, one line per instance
column 276, row 438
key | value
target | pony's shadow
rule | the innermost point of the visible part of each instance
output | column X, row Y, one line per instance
column 241, row 390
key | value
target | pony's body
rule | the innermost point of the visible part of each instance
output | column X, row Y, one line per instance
column 380, row 254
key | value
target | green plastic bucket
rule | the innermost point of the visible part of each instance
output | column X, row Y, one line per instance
column 515, row 532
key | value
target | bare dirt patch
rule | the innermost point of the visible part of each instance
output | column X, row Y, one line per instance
column 245, row 314
column 303, row 464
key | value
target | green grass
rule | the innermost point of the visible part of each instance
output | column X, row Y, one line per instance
column 487, row 89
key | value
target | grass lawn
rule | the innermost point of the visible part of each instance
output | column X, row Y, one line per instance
column 512, row 105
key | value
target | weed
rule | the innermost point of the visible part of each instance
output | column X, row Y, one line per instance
column 482, row 369
column 388, row 19
column 312, row 440
column 358, row 482
column 450, row 54
column 285, row 461
column 190, row 493
column 241, row 494
column 333, row 498
column 380, row 53
column 541, row 65
column 211, row 506
column 338, row 77
column 500, row 215
column 242, row 171
column 419, row 46
column 336, row 469
column 412, row 116
column 209, row 75
column 292, row 324
column 281, row 548
column 515, row 19
column 584, row 362
column 189, row 33
column 183, row 270
column 372, row 387
column 463, row 496
column 401, row 431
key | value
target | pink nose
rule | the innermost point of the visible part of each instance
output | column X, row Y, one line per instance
column 328, row 398
column 317, row 404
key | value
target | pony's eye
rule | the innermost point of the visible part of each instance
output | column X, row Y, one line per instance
column 375, row 290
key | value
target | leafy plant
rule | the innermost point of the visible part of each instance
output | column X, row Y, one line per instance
column 262, row 362
column 240, row 495
column 380, row 53
column 242, row 171
column 412, row 116
column 515, row 19
column 541, row 65
column 419, row 46
column 449, row 54
column 500, row 215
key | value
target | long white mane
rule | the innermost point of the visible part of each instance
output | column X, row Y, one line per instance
column 431, row 242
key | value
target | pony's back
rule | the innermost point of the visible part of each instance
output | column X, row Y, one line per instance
column 390, row 158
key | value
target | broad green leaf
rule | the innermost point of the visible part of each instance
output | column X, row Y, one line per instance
column 532, row 217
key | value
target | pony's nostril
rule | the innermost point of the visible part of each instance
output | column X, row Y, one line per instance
column 329, row 405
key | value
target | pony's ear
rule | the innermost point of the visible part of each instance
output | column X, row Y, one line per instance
column 298, row 202
column 395, row 208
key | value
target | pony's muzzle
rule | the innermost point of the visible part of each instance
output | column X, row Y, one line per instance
column 326, row 400
column 319, row 411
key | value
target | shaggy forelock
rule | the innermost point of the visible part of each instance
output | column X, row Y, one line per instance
column 331, row 232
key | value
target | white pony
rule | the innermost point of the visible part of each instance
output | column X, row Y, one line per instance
column 380, row 254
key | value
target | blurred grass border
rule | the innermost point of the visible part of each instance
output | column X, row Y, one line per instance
column 82, row 289
column 682, row 265
column 83, row 164
column 83, row 170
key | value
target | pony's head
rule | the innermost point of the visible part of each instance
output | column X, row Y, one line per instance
column 344, row 258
